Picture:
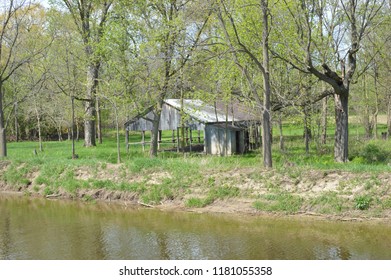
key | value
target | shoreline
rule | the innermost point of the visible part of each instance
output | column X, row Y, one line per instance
column 220, row 207
column 194, row 187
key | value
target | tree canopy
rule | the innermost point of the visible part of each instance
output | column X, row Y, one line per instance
column 117, row 58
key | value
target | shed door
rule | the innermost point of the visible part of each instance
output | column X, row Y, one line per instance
column 237, row 138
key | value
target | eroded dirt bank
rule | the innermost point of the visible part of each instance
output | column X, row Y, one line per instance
column 251, row 191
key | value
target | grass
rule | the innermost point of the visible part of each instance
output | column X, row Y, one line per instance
column 328, row 203
column 203, row 179
column 214, row 193
column 279, row 202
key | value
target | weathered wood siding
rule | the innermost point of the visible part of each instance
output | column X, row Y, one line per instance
column 170, row 119
column 217, row 141
column 200, row 116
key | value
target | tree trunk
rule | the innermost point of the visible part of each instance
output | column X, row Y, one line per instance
column 99, row 121
column 182, row 123
column 16, row 122
column 89, row 124
column 38, row 125
column 3, row 138
column 127, row 139
column 117, row 135
column 218, row 133
column 266, row 135
column 77, row 130
column 341, row 129
column 389, row 116
column 226, row 131
column 154, row 138
column 59, row 132
column 39, row 133
column 366, row 121
column 90, row 111
column 266, row 139
column 323, row 137
column 375, row 114
column 307, row 131
column 73, row 127
column 155, row 130
column 282, row 146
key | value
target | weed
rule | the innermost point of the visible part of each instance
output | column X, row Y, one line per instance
column 376, row 181
column 157, row 193
column 88, row 198
column 261, row 205
column 27, row 193
column 16, row 175
column 211, row 182
column 328, row 203
column 141, row 164
column 72, row 185
column 279, row 202
column 47, row 191
column 386, row 203
column 213, row 194
column 195, row 202
column 224, row 192
column 40, row 180
column 362, row 202
column 294, row 173
column 257, row 177
column 270, row 185
column 101, row 184
column 367, row 185
column 343, row 184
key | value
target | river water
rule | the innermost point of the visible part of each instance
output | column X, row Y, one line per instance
column 32, row 228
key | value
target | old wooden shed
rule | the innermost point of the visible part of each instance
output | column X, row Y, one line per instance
column 226, row 127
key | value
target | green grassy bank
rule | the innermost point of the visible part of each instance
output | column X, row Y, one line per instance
column 298, row 183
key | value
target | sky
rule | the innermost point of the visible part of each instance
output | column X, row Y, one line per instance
column 45, row 3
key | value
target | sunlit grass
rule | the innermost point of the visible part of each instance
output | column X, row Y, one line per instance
column 175, row 175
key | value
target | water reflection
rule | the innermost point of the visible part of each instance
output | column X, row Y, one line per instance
column 43, row 229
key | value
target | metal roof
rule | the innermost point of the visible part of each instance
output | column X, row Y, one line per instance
column 216, row 113
column 197, row 113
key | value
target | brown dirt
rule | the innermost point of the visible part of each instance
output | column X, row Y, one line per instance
column 251, row 181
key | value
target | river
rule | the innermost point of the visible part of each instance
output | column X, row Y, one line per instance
column 32, row 228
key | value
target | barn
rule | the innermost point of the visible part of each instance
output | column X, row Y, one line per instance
column 227, row 129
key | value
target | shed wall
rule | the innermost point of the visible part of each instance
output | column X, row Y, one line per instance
column 170, row 119
column 216, row 140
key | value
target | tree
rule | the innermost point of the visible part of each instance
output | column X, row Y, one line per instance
column 312, row 48
column 242, row 39
column 90, row 17
column 19, row 30
column 171, row 31
column 372, row 69
column 66, row 65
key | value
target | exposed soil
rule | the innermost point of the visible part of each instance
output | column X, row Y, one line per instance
column 252, row 183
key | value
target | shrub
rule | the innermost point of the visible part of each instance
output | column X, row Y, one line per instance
column 373, row 154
